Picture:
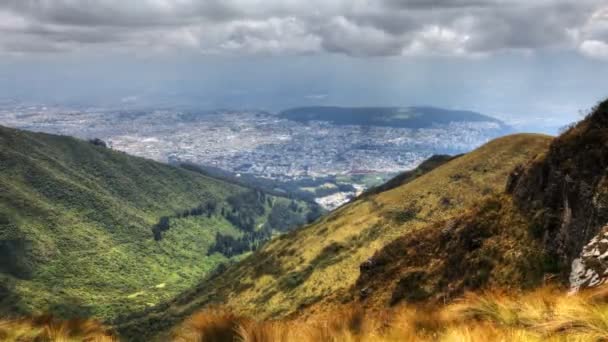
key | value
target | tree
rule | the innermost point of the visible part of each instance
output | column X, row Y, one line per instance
column 98, row 142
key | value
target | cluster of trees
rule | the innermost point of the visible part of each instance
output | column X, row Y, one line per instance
column 208, row 208
column 231, row 246
column 286, row 216
column 98, row 142
column 243, row 222
column 161, row 226
column 246, row 207
column 243, row 211
column 252, row 201
column 282, row 217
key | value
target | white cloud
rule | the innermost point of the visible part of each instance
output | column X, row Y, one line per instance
column 593, row 35
column 439, row 40
column 595, row 49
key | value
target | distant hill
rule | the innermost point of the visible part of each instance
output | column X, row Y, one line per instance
column 409, row 117
column 88, row 231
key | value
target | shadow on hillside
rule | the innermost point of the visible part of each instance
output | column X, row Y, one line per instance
column 10, row 301
column 70, row 308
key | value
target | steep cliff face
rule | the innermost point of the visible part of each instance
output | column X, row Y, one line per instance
column 565, row 191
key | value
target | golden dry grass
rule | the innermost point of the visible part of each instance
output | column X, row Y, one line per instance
column 546, row 314
column 47, row 329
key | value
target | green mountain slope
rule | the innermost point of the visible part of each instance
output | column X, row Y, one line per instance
column 82, row 229
column 320, row 263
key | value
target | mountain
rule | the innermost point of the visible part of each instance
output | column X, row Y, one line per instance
column 410, row 117
column 88, row 231
column 565, row 194
column 318, row 266
column 488, row 228
column 550, row 223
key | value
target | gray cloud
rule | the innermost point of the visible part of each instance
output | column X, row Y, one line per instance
column 352, row 27
column 442, row 4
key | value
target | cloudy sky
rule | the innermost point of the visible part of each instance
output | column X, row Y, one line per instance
column 517, row 59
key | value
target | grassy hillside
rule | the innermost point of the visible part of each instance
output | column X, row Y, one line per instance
column 321, row 262
column 411, row 117
column 491, row 245
column 88, row 231
column 545, row 314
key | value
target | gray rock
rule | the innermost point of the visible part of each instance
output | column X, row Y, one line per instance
column 590, row 269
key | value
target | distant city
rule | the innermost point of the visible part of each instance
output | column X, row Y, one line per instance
column 261, row 144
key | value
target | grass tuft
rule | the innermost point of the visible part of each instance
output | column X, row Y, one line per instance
column 546, row 314
column 49, row 329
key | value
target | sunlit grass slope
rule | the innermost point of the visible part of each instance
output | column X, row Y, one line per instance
column 48, row 329
column 76, row 227
column 545, row 314
column 321, row 262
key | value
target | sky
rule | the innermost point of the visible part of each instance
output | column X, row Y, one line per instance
column 540, row 62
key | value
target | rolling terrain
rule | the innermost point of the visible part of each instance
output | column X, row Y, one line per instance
column 318, row 266
column 88, row 231
column 532, row 212
column 477, row 247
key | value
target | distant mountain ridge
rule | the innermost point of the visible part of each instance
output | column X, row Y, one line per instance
column 407, row 117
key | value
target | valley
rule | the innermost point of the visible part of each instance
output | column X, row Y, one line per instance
column 303, row 171
column 271, row 150
column 470, row 231
column 448, row 249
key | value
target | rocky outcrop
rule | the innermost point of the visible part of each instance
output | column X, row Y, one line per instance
column 565, row 193
column 590, row 268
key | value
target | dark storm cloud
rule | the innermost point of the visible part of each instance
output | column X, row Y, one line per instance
column 352, row 27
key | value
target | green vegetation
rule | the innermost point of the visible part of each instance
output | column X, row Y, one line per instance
column 87, row 231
